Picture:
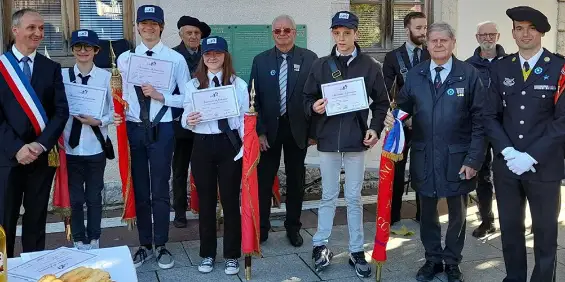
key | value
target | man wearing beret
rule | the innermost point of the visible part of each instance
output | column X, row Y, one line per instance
column 526, row 128
column 191, row 31
column 151, row 137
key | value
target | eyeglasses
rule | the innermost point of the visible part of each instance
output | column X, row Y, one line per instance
column 282, row 30
column 484, row 35
column 79, row 47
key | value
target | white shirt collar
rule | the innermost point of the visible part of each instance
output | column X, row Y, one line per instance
column 211, row 76
column 19, row 55
column 532, row 61
column 353, row 55
column 446, row 67
column 141, row 48
column 92, row 72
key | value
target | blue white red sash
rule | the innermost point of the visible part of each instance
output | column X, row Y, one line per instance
column 22, row 90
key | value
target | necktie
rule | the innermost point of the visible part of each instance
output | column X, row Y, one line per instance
column 27, row 69
column 437, row 79
column 74, row 138
column 526, row 71
column 416, row 56
column 283, row 78
column 144, row 101
column 343, row 60
column 222, row 123
column 526, row 66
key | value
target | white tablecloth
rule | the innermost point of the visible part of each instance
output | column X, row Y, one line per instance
column 116, row 261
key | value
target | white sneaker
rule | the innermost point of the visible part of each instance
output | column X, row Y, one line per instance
column 94, row 244
column 232, row 267
column 206, row 266
column 81, row 246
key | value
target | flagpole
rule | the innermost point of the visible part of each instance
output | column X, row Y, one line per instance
column 251, row 112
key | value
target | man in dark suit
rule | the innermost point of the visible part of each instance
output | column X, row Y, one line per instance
column 279, row 75
column 396, row 65
column 27, row 137
column 191, row 31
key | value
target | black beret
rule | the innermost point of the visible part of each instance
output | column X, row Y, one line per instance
column 529, row 14
column 186, row 20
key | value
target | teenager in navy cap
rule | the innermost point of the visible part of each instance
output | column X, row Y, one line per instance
column 151, row 137
column 216, row 155
column 344, row 138
column 527, row 131
column 85, row 140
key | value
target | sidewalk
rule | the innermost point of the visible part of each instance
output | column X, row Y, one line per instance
column 482, row 259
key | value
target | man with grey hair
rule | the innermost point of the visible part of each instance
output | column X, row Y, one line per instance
column 445, row 98
column 487, row 53
column 33, row 115
column 279, row 75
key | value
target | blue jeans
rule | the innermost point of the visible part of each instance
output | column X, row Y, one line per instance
column 151, row 171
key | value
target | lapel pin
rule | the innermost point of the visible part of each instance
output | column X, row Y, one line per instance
column 546, row 59
column 538, row 70
column 273, row 72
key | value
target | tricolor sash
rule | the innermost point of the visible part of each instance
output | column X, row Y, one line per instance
column 22, row 90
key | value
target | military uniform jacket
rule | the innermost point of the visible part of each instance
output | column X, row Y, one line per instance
column 447, row 128
column 522, row 114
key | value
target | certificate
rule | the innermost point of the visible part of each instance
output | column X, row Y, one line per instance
column 345, row 96
column 216, row 103
column 85, row 99
column 156, row 72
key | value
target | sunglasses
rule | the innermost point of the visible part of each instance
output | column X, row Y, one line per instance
column 78, row 47
column 282, row 30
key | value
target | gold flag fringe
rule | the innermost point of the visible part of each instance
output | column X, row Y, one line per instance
column 392, row 156
column 53, row 157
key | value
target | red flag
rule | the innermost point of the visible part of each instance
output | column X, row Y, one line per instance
column 193, row 206
column 124, row 157
column 61, row 197
column 276, row 192
column 250, row 188
column 560, row 85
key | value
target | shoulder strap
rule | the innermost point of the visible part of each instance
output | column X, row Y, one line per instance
column 403, row 69
column 336, row 73
column 72, row 77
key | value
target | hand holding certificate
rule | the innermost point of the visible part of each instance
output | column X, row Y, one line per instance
column 85, row 100
column 215, row 103
column 147, row 70
column 345, row 96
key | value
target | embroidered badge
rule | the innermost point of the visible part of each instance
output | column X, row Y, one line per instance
column 296, row 67
column 211, row 41
column 149, row 10
column 273, row 72
column 508, row 82
column 545, row 87
column 450, row 91
column 83, row 33
column 344, row 16
column 546, row 77
column 546, row 59
column 538, row 70
column 460, row 92
column 514, row 59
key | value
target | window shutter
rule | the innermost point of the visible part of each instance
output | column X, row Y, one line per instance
column 51, row 12
column 400, row 11
column 105, row 17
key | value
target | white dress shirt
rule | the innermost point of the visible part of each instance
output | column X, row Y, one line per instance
column 532, row 61
column 88, row 144
column 444, row 73
column 19, row 57
column 211, row 127
column 180, row 77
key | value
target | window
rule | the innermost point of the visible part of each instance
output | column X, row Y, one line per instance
column 111, row 19
column 381, row 22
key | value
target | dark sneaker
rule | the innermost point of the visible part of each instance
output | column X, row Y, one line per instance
column 322, row 257
column 207, row 265
column 429, row 271
column 141, row 256
column 165, row 259
column 232, row 267
column 453, row 273
column 362, row 268
column 180, row 222
column 484, row 229
column 295, row 238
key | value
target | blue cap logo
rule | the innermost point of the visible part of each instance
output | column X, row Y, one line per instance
column 344, row 16
column 211, row 41
column 149, row 10
column 450, row 92
column 82, row 33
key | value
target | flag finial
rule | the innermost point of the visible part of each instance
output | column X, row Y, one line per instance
column 252, row 101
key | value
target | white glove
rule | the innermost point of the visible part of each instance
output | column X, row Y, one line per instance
column 521, row 163
column 509, row 153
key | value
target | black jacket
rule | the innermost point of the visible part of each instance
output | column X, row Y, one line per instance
column 192, row 60
column 343, row 133
column 524, row 115
column 483, row 65
column 16, row 129
column 391, row 68
column 447, row 128
column 265, row 73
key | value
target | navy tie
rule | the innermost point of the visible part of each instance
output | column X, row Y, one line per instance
column 27, row 69
column 437, row 79
column 416, row 58
column 223, row 123
column 76, row 129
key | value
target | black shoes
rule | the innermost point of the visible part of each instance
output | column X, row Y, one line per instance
column 180, row 222
column 453, row 273
column 429, row 271
column 483, row 230
column 263, row 237
column 295, row 238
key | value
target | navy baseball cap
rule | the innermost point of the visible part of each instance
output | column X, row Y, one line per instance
column 346, row 19
column 214, row 43
column 84, row 36
column 150, row 12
